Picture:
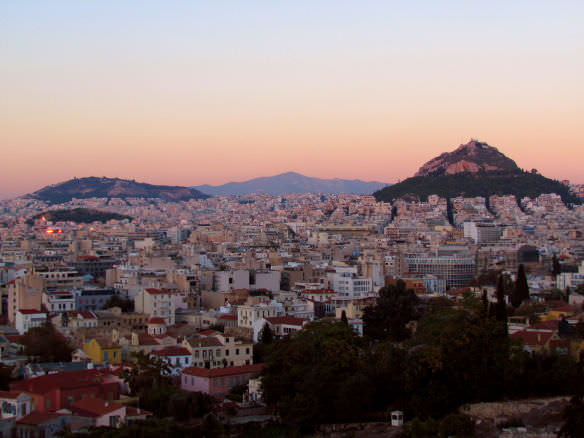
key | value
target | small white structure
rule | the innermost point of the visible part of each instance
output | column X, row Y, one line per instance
column 397, row 418
column 29, row 318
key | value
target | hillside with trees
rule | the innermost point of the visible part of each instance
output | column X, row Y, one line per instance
column 79, row 215
column 468, row 184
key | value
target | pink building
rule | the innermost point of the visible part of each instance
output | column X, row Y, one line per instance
column 217, row 381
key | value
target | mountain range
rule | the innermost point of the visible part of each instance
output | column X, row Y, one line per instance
column 292, row 182
column 474, row 169
column 95, row 187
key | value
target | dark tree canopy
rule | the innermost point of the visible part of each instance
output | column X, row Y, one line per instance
column 521, row 290
column 395, row 307
column 344, row 319
column 46, row 344
column 317, row 376
column 501, row 305
column 126, row 304
column 266, row 335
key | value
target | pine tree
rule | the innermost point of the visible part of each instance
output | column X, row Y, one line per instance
column 344, row 319
column 266, row 335
column 521, row 289
column 556, row 268
column 501, row 306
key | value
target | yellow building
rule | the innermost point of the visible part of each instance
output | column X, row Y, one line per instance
column 557, row 313
column 101, row 351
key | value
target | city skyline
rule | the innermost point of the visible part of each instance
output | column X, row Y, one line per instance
column 192, row 94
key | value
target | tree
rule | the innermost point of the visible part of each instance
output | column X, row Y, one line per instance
column 5, row 376
column 556, row 267
column 456, row 425
column 501, row 306
column 459, row 355
column 520, row 292
column 126, row 304
column 266, row 336
column 395, row 307
column 146, row 372
column 46, row 344
column 344, row 319
column 317, row 375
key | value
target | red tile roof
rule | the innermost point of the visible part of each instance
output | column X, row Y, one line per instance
column 546, row 325
column 172, row 351
column 287, row 320
column 220, row 372
column 35, row 418
column 15, row 339
column 94, row 407
column 156, row 320
column 209, row 332
column 532, row 337
column 66, row 380
column 144, row 339
column 11, row 395
column 229, row 317
column 131, row 411
column 29, row 311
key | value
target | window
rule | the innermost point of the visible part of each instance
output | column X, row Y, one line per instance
column 218, row 353
column 196, row 354
column 237, row 351
column 186, row 379
column 247, row 351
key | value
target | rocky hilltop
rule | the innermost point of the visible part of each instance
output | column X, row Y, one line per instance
column 94, row 187
column 474, row 156
column 474, row 169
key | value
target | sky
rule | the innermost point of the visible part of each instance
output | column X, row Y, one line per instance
column 189, row 93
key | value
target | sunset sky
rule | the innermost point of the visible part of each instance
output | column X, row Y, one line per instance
column 189, row 93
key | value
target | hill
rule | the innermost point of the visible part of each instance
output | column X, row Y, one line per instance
column 474, row 169
column 79, row 215
column 94, row 187
column 473, row 157
column 292, row 182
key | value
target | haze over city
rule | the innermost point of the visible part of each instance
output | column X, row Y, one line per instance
column 189, row 93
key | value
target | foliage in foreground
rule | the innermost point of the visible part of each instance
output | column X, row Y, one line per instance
column 326, row 374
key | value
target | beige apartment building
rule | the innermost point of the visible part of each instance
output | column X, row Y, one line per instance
column 216, row 350
column 24, row 293
column 156, row 303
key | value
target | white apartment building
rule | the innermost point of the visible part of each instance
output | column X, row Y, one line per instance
column 247, row 315
column 348, row 284
column 58, row 301
column 482, row 232
column 29, row 318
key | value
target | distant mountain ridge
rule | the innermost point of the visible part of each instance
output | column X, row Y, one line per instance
column 95, row 187
column 474, row 169
column 292, row 182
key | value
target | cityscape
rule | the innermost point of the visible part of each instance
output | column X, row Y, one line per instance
column 181, row 256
